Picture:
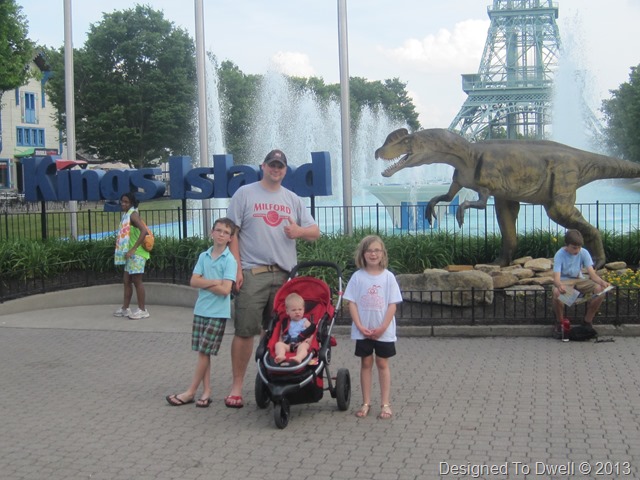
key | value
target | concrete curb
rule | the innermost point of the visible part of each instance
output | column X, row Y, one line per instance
column 157, row 294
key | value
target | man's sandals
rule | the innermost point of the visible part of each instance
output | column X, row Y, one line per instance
column 234, row 401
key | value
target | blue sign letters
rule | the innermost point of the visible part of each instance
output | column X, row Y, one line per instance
column 43, row 182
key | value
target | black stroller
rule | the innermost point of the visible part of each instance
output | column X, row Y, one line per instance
column 303, row 382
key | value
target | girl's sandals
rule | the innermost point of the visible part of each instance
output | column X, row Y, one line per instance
column 385, row 413
column 364, row 410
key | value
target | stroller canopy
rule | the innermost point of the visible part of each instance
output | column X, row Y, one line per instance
column 316, row 294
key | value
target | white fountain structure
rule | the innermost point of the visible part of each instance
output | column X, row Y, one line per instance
column 299, row 123
column 574, row 122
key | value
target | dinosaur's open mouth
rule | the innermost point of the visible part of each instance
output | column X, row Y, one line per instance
column 395, row 166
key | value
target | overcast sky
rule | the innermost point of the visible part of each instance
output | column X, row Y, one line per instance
column 427, row 44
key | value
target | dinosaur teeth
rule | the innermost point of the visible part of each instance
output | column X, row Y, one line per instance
column 393, row 168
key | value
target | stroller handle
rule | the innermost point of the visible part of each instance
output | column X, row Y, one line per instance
column 318, row 263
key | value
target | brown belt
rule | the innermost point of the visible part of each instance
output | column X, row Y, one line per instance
column 266, row 268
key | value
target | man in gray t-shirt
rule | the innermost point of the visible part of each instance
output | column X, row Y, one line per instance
column 270, row 218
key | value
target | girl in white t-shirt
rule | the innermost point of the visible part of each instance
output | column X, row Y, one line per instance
column 373, row 294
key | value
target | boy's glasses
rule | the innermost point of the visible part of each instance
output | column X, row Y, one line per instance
column 221, row 232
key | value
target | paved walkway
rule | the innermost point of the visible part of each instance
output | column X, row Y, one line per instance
column 83, row 398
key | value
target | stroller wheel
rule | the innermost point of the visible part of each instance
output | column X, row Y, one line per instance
column 281, row 413
column 262, row 393
column 343, row 389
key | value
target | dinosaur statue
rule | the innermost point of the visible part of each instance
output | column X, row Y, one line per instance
column 531, row 171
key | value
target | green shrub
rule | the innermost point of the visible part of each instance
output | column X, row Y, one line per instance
column 408, row 253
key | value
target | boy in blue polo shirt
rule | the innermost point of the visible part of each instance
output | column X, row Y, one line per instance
column 568, row 265
column 214, row 275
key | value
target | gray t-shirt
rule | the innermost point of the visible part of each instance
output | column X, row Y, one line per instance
column 261, row 216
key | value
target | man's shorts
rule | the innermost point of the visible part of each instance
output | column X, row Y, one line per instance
column 366, row 347
column 254, row 302
column 206, row 334
column 135, row 264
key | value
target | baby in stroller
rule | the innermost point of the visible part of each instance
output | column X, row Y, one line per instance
column 303, row 316
column 296, row 336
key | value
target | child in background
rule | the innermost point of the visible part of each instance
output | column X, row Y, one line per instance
column 373, row 294
column 129, row 252
column 214, row 275
column 294, row 339
column 568, row 263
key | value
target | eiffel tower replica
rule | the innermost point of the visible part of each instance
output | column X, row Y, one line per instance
column 511, row 96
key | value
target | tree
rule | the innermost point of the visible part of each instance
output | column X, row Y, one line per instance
column 622, row 115
column 135, row 86
column 237, row 95
column 16, row 50
column 399, row 104
column 390, row 95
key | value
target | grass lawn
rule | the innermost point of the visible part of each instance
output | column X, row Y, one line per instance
column 89, row 218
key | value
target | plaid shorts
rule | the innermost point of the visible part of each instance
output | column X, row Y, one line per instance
column 206, row 334
column 135, row 264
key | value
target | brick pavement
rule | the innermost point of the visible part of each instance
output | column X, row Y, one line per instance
column 83, row 397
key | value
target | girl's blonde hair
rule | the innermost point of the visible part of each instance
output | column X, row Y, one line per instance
column 364, row 245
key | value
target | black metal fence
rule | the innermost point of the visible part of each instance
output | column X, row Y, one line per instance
column 533, row 307
column 40, row 221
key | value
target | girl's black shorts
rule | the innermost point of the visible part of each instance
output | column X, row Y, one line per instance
column 366, row 347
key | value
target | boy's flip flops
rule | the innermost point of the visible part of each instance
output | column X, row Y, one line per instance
column 174, row 401
column 203, row 402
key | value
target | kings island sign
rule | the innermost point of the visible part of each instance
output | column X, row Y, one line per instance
column 44, row 182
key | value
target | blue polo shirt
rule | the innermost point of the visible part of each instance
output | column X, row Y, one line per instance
column 570, row 266
column 224, row 267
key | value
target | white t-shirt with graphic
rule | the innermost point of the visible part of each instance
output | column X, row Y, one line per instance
column 373, row 294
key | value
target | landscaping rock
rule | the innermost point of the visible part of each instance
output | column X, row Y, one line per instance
column 545, row 280
column 521, row 273
column 522, row 290
column 487, row 268
column 503, row 279
column 521, row 261
column 546, row 273
column 456, row 268
column 452, row 286
column 615, row 265
column 447, row 288
column 538, row 264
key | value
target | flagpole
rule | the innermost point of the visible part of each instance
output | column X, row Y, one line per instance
column 203, row 127
column 343, row 55
column 70, row 106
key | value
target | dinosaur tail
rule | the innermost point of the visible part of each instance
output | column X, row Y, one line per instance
column 604, row 167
